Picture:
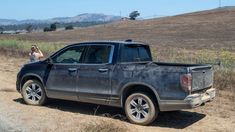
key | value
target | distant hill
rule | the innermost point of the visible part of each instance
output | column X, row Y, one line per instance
column 7, row 21
column 87, row 17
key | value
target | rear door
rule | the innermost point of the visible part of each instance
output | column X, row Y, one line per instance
column 94, row 83
column 62, row 79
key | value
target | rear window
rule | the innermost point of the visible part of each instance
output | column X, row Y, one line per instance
column 135, row 53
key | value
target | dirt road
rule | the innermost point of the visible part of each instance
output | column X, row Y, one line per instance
column 58, row 115
column 2, row 127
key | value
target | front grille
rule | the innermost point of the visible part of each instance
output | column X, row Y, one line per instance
column 201, row 79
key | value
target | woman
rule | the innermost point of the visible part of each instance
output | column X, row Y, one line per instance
column 35, row 54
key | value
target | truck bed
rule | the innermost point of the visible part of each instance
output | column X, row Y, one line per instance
column 202, row 74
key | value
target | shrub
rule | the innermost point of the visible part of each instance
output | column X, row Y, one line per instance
column 69, row 27
column 46, row 29
column 53, row 27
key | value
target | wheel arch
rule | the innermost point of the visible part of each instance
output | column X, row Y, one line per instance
column 133, row 87
column 30, row 76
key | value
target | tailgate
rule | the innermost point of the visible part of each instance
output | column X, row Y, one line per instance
column 202, row 77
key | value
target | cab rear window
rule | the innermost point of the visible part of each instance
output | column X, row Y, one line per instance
column 135, row 53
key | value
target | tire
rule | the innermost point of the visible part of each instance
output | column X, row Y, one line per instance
column 141, row 109
column 33, row 93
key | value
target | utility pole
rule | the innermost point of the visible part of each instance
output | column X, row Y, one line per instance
column 104, row 22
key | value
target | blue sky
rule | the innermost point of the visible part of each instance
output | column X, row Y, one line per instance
column 43, row 9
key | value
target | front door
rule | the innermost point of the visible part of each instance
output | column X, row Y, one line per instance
column 62, row 79
column 94, row 83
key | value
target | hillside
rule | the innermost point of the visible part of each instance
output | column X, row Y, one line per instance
column 86, row 17
column 205, row 29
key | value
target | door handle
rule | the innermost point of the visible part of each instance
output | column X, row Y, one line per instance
column 72, row 69
column 103, row 70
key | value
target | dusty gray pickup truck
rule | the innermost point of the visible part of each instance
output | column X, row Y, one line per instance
column 117, row 73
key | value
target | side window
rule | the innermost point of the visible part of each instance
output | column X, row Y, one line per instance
column 144, row 54
column 135, row 54
column 129, row 54
column 98, row 54
column 71, row 55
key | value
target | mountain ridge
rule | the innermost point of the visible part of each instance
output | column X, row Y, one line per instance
column 85, row 17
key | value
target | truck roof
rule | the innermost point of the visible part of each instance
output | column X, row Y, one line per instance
column 113, row 42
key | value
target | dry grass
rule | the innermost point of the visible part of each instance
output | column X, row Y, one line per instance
column 104, row 126
column 225, row 59
column 224, row 80
column 18, row 47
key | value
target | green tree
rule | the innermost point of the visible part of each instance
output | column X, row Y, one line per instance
column 133, row 15
column 1, row 30
column 69, row 27
column 29, row 28
column 53, row 27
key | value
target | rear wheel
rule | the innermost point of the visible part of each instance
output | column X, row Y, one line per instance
column 33, row 93
column 141, row 109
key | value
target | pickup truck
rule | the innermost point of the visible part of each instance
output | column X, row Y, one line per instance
column 120, row 74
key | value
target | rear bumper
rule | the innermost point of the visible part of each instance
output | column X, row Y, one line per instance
column 195, row 100
column 191, row 101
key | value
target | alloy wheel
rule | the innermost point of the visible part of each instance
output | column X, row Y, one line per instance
column 34, row 92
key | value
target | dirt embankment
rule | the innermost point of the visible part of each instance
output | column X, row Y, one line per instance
column 58, row 115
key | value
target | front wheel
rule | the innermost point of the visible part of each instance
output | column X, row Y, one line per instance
column 140, row 109
column 33, row 93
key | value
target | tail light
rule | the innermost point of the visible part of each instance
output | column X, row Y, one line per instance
column 186, row 82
